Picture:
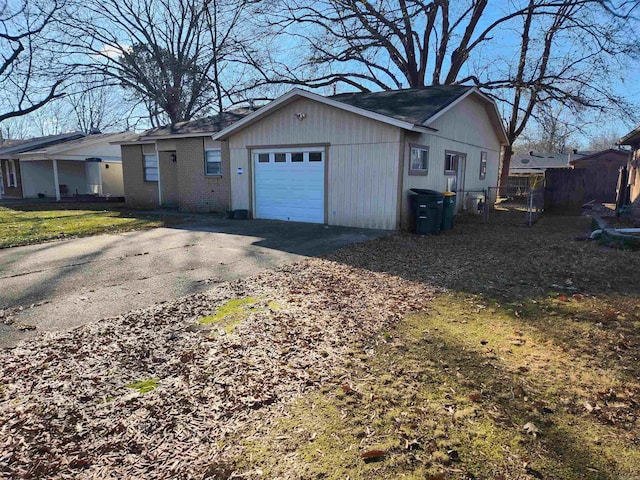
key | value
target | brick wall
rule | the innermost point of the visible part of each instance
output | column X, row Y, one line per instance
column 11, row 191
column 137, row 192
column 200, row 192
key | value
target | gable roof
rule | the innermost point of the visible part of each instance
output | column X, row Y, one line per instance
column 397, row 108
column 413, row 105
column 538, row 162
column 38, row 142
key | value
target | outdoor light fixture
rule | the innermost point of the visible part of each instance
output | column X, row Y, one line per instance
column 174, row 158
column 301, row 116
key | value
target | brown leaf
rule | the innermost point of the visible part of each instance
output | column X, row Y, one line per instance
column 475, row 397
column 372, row 455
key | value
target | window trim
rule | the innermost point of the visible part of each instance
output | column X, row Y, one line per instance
column 206, row 162
column 12, row 176
column 451, row 173
column 144, row 167
column 422, row 173
column 484, row 157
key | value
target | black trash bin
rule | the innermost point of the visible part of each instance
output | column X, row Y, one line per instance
column 427, row 210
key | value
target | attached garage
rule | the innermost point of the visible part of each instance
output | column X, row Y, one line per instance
column 289, row 184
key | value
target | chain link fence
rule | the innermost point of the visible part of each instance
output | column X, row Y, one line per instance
column 513, row 204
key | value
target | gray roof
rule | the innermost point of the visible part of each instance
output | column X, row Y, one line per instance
column 538, row 162
column 213, row 124
column 37, row 143
column 414, row 105
column 631, row 138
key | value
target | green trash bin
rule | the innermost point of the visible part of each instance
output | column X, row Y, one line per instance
column 427, row 210
column 448, row 210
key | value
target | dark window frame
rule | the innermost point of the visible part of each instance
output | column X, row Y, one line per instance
column 418, row 172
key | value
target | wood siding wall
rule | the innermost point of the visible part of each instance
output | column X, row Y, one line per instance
column 602, row 173
column 362, row 160
column 465, row 129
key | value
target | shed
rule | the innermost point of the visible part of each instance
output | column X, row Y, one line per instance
column 602, row 171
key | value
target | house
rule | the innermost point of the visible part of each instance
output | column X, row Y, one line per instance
column 602, row 171
column 10, row 161
column 180, row 165
column 88, row 165
column 631, row 193
column 347, row 160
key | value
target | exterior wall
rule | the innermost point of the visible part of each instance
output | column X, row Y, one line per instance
column 112, row 179
column 72, row 174
column 465, row 129
column 37, row 178
column 634, row 179
column 168, row 178
column 362, row 158
column 11, row 191
column 199, row 192
column 137, row 192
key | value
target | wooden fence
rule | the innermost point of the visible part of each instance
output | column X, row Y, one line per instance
column 564, row 190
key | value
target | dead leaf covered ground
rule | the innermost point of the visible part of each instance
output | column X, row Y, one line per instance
column 491, row 351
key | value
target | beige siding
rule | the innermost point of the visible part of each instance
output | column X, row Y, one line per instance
column 37, row 178
column 72, row 174
column 466, row 129
column 362, row 160
column 137, row 192
column 634, row 180
column 112, row 181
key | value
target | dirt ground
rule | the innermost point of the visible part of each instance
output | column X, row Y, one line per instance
column 490, row 351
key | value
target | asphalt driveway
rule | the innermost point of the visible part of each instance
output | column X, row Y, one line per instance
column 60, row 285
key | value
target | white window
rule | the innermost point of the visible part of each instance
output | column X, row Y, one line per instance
column 419, row 161
column 213, row 161
column 483, row 165
column 150, row 168
column 12, row 178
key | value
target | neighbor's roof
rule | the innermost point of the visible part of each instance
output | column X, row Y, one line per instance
column 591, row 155
column 413, row 105
column 84, row 141
column 410, row 109
column 534, row 162
column 631, row 138
column 38, row 142
column 199, row 127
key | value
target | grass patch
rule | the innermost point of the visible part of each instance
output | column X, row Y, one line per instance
column 29, row 224
column 229, row 315
column 451, row 393
column 144, row 386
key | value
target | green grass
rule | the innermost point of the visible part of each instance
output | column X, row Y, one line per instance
column 29, row 224
column 144, row 386
column 229, row 315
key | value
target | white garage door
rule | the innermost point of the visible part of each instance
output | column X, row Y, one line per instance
column 289, row 184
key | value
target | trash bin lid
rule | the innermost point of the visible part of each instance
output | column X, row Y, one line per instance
column 424, row 191
column 449, row 194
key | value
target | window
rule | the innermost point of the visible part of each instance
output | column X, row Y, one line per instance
column 280, row 157
column 263, row 158
column 315, row 156
column 419, row 161
column 451, row 162
column 12, row 180
column 297, row 157
column 150, row 168
column 483, row 165
column 213, row 161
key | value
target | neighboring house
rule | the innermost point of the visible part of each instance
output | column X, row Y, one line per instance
column 180, row 166
column 602, row 171
column 632, row 193
column 10, row 161
column 345, row 160
column 89, row 165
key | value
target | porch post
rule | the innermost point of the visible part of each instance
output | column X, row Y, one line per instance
column 55, row 179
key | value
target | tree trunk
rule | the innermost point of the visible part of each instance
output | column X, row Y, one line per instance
column 504, row 175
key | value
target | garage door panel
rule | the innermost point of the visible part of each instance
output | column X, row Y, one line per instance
column 292, row 191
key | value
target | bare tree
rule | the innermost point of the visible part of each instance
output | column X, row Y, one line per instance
column 174, row 56
column 523, row 53
column 30, row 76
